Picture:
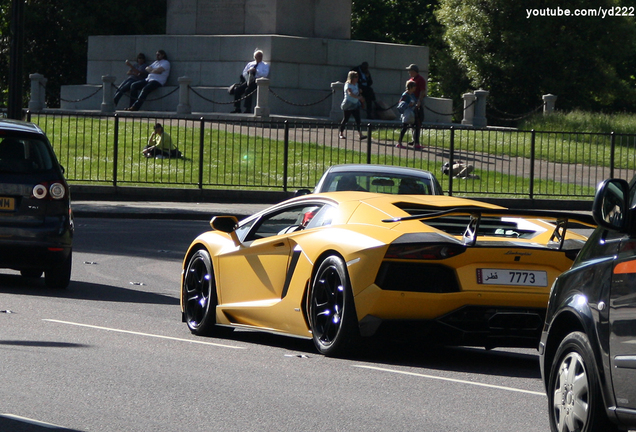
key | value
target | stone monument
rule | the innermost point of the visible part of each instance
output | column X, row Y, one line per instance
column 307, row 43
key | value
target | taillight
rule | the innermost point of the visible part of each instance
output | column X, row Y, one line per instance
column 423, row 251
column 55, row 191
column 40, row 191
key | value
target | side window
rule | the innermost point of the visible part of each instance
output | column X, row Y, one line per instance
column 323, row 217
column 284, row 221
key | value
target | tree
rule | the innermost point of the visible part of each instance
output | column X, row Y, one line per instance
column 412, row 23
column 588, row 62
column 56, row 35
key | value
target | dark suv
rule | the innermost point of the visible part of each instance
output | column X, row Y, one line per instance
column 36, row 222
column 588, row 345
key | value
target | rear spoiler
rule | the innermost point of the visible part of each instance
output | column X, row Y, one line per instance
column 470, row 234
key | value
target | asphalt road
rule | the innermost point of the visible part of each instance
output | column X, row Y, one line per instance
column 110, row 353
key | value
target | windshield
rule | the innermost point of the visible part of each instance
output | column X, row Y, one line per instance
column 24, row 154
column 380, row 183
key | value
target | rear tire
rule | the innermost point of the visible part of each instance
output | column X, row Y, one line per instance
column 574, row 394
column 199, row 296
column 59, row 277
column 332, row 312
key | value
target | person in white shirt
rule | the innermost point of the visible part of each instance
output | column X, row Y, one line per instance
column 158, row 73
column 253, row 70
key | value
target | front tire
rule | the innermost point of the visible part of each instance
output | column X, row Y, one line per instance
column 199, row 295
column 332, row 312
column 574, row 393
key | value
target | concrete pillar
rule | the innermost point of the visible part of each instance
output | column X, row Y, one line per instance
column 108, row 106
column 38, row 92
column 469, row 109
column 337, row 89
column 549, row 101
column 184, row 95
column 480, row 121
column 262, row 98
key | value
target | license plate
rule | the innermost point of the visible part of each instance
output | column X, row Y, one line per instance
column 512, row 277
column 7, row 204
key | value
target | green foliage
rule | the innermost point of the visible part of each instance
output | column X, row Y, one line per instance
column 56, row 35
column 412, row 23
column 588, row 62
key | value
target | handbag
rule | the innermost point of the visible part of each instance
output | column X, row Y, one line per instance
column 408, row 116
column 349, row 105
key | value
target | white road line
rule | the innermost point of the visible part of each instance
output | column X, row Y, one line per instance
column 451, row 380
column 142, row 334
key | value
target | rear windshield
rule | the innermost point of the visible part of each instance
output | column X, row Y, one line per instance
column 24, row 154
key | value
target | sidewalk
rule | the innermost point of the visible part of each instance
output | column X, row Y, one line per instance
column 162, row 210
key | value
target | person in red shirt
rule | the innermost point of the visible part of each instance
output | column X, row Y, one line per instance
column 420, row 93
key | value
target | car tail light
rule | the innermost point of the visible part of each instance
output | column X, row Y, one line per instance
column 40, row 191
column 424, row 251
column 55, row 191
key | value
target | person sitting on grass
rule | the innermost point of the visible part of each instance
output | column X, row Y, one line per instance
column 160, row 145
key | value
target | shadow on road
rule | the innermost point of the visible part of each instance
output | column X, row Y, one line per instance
column 16, row 284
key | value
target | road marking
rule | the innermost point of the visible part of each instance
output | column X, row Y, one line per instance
column 142, row 334
column 451, row 380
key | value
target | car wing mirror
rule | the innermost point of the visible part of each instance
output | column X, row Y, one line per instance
column 226, row 224
column 301, row 192
column 611, row 208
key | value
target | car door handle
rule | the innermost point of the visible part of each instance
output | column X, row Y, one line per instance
column 280, row 244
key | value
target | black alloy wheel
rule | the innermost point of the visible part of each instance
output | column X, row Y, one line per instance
column 574, row 394
column 199, row 295
column 332, row 313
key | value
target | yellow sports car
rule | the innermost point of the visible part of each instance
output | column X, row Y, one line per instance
column 341, row 266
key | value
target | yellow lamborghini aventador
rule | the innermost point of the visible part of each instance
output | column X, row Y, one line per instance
column 341, row 266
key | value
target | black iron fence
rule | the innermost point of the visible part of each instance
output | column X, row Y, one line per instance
column 289, row 155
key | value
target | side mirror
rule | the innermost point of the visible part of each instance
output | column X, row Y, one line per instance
column 226, row 224
column 301, row 192
column 611, row 206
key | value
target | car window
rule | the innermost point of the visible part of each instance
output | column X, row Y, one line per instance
column 380, row 183
column 24, row 155
column 285, row 221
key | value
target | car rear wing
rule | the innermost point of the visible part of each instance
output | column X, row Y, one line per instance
column 561, row 220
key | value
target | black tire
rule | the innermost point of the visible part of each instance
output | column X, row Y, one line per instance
column 60, row 276
column 332, row 312
column 575, row 401
column 199, row 296
column 34, row 274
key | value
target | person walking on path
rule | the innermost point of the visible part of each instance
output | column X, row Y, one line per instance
column 420, row 93
column 252, row 71
column 351, row 104
column 406, row 107
column 136, row 72
column 158, row 73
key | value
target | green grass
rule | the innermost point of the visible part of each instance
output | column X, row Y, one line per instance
column 581, row 121
column 241, row 159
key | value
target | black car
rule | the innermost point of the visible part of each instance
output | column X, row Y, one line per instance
column 36, row 221
column 588, row 345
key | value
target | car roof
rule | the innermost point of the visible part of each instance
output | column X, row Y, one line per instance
column 19, row 126
column 381, row 169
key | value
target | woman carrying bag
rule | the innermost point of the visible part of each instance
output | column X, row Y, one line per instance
column 351, row 104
